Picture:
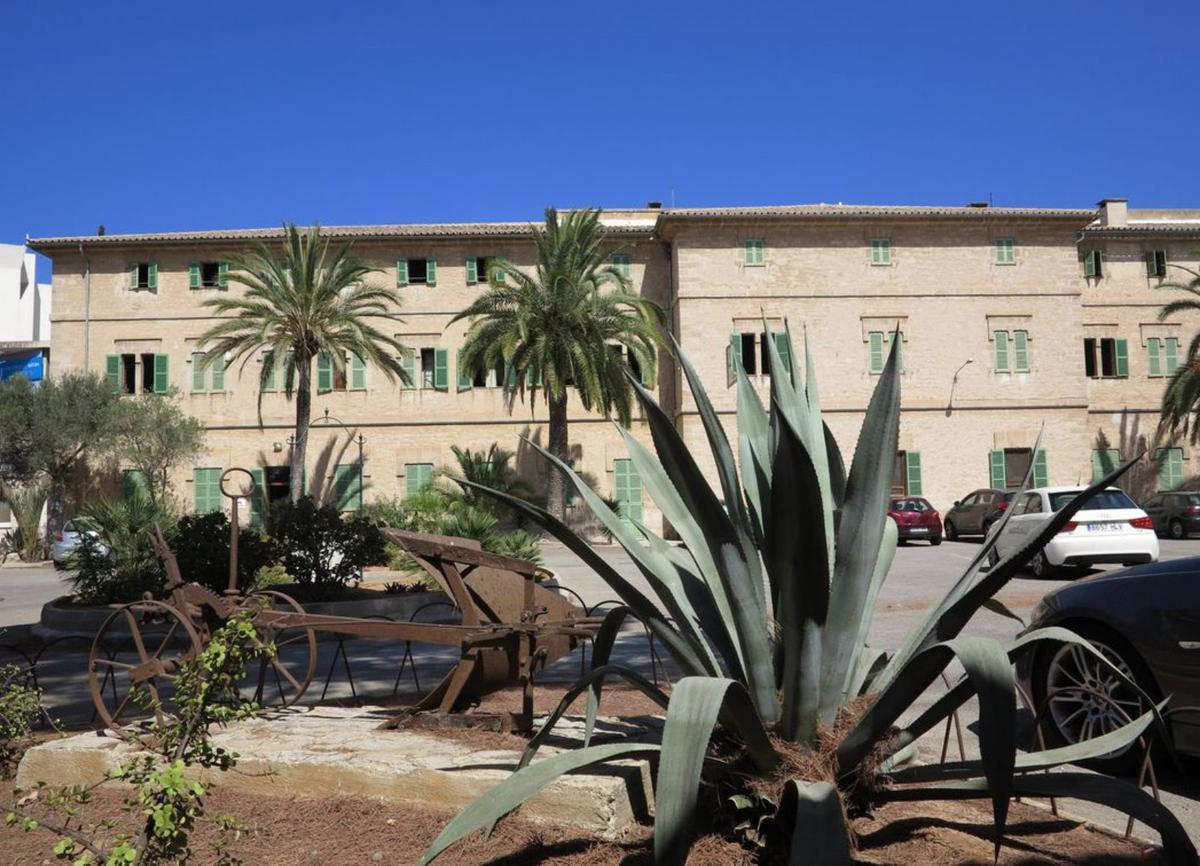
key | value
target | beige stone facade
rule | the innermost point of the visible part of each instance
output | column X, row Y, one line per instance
column 955, row 280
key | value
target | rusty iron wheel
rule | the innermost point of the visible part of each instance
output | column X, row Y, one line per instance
column 282, row 680
column 127, row 690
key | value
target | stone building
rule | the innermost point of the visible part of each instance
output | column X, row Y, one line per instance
column 999, row 311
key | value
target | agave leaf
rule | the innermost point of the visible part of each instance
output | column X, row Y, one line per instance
column 837, row 468
column 691, row 716
column 754, row 447
column 523, row 784
column 602, row 646
column 813, row 812
column 868, row 662
column 1118, row 794
column 996, row 606
column 797, row 561
column 732, row 552
column 887, row 552
column 860, row 532
column 687, row 649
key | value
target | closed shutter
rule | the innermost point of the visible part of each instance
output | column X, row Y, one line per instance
column 1121, row 353
column 1041, row 474
column 112, row 372
column 258, row 499
column 134, row 482
column 1021, row 351
column 417, row 476
column 431, row 271
column 402, row 272
column 628, row 486
column 223, row 275
column 268, row 371
column 1001, row 340
column 875, row 339
column 913, row 462
column 324, row 372
column 997, row 470
column 207, row 490
column 408, row 360
column 1170, row 468
column 162, row 379
column 441, row 372
column 194, row 275
column 1172, row 356
column 472, row 270
column 199, row 384
column 218, row 374
column 1104, row 461
column 465, row 380
column 784, row 351
column 347, row 491
column 1153, row 351
column 358, row 373
column 153, row 278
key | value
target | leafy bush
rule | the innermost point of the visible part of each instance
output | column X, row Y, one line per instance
column 270, row 576
column 518, row 544
column 20, row 710
column 122, row 565
column 316, row 545
column 27, row 502
column 201, row 545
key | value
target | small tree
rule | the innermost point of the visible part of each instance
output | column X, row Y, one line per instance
column 153, row 436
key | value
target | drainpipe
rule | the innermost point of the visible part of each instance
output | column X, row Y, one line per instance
column 87, row 309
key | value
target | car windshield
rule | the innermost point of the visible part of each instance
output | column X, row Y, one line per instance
column 1102, row 500
column 911, row 505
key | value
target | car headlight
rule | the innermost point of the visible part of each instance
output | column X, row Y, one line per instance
column 1040, row 611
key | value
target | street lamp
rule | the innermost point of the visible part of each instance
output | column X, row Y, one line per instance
column 953, row 383
column 328, row 420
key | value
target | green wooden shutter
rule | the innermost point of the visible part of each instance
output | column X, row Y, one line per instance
column 358, row 373
column 1041, row 473
column 324, row 372
column 1172, row 358
column 347, row 492
column 207, row 490
column 218, row 373
column 997, row 469
column 133, row 483
column 431, row 271
column 417, row 476
column 1104, row 461
column 785, row 352
column 913, row 462
column 881, row 251
column 1151, row 263
column 1153, row 350
column 162, row 379
column 441, row 369
column 755, row 252
column 1021, row 351
column 628, row 489
column 199, row 380
column 223, row 275
column 153, row 280
column 1170, row 468
column 472, row 270
column 402, row 272
column 465, row 380
column 408, row 360
column 258, row 499
column 112, row 372
column 1000, row 338
column 733, row 357
column 875, row 341
column 1121, row 353
column 194, row 275
column 1091, row 264
column 268, row 362
column 133, row 275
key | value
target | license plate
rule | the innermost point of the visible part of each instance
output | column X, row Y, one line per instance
column 919, row 529
column 1104, row 527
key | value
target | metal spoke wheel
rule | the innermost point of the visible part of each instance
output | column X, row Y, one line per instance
column 137, row 681
column 281, row 681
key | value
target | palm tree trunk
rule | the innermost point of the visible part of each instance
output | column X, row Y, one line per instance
column 556, row 499
column 303, row 416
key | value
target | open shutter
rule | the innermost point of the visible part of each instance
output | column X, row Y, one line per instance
column 441, row 373
column 733, row 354
column 1001, row 340
column 258, row 499
column 1151, row 263
column 133, row 275
column 112, row 372
column 408, row 360
column 431, row 271
column 1172, row 356
column 402, row 272
column 1041, row 474
column 1097, row 465
column 268, row 374
column 162, row 381
column 324, row 372
column 465, row 380
column 913, row 462
column 358, row 373
column 223, row 275
column 218, row 373
column 1091, row 264
column 1153, row 347
column 198, row 371
column 194, row 275
column 875, row 340
column 785, row 352
column 1121, row 353
column 1021, row 351
column 997, row 470
column 472, row 264
column 153, row 278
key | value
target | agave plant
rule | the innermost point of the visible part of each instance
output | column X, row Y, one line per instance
column 765, row 608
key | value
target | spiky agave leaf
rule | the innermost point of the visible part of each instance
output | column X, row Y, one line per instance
column 813, row 812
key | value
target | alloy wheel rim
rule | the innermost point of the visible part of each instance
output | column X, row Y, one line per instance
column 1086, row 698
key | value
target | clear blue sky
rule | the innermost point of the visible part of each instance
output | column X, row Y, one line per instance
column 148, row 116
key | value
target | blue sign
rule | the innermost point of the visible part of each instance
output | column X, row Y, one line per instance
column 27, row 364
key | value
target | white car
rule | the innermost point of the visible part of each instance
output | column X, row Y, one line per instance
column 1109, row 528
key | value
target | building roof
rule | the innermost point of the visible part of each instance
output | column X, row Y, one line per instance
column 854, row 211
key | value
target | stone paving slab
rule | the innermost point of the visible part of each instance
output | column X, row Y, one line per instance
column 331, row 751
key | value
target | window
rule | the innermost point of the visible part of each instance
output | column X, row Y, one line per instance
column 206, row 490
column 881, row 251
column 755, row 252
column 1006, row 251
column 479, row 270
column 208, row 378
column 208, row 275
column 1162, row 356
column 742, row 349
column 1170, row 468
column 622, row 354
column 434, row 373
column 1104, row 462
column 906, row 479
column 623, row 264
column 879, row 344
column 1093, row 264
column 122, row 375
column 143, row 276
column 1009, row 465
column 1011, row 350
column 1156, row 263
column 627, row 486
column 417, row 476
column 331, row 376
column 1106, row 358
column 347, row 487
column 1101, row 501
column 417, row 272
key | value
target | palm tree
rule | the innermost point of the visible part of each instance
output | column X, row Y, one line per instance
column 1181, row 399
column 314, row 299
column 568, row 325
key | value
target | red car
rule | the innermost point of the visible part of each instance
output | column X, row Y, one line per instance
column 916, row 518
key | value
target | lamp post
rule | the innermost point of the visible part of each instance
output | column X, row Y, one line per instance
column 953, row 383
column 328, row 420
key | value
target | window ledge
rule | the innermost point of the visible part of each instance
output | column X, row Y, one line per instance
column 881, row 264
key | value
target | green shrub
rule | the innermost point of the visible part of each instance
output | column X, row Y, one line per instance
column 20, row 709
column 316, row 545
column 518, row 544
column 122, row 565
column 269, row 576
column 201, row 545
column 27, row 503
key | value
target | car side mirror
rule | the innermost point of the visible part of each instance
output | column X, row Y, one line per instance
column 957, row 503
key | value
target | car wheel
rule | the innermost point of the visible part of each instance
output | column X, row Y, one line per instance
column 1177, row 530
column 951, row 531
column 1041, row 568
column 986, row 527
column 1078, row 697
column 934, row 542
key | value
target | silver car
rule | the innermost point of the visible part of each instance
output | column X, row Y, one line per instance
column 68, row 541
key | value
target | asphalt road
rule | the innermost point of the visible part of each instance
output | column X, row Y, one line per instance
column 24, row 589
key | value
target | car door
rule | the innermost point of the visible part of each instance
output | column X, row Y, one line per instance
column 985, row 501
column 1009, row 539
column 964, row 515
column 1025, row 519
